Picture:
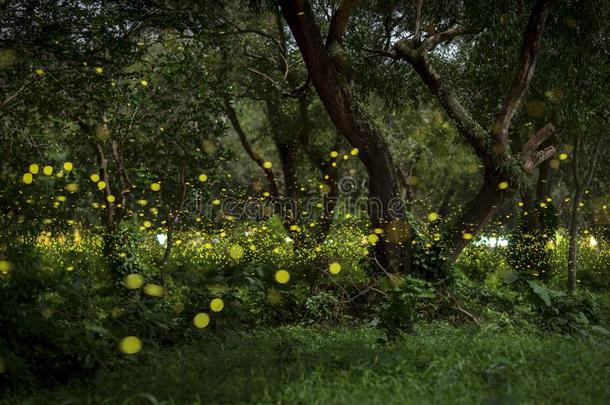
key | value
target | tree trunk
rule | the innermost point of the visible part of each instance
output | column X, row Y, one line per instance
column 172, row 221
column 543, row 185
column 492, row 148
column 573, row 240
column 111, row 219
column 582, row 183
column 167, row 253
column 477, row 214
column 335, row 91
column 444, row 208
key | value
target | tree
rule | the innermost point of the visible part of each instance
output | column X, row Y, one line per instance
column 277, row 83
column 331, row 79
column 502, row 166
column 581, row 183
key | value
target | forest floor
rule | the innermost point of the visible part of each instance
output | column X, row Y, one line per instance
column 438, row 364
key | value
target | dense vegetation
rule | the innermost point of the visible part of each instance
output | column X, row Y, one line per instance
column 304, row 201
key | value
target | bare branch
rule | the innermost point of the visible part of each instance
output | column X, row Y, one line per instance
column 535, row 158
column 292, row 93
column 238, row 30
column 13, row 96
column 381, row 53
column 260, row 58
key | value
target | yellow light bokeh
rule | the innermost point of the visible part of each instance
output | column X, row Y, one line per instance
column 236, row 252
column 201, row 320
column 334, row 268
column 217, row 305
column 130, row 345
column 282, row 276
column 27, row 178
column 133, row 281
column 153, row 290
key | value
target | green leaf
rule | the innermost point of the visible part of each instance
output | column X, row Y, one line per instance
column 600, row 329
column 97, row 329
column 541, row 292
column 510, row 277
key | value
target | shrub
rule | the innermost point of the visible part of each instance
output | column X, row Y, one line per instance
column 479, row 261
column 48, row 322
column 399, row 308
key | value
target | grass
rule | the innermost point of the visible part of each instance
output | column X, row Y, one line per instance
column 439, row 364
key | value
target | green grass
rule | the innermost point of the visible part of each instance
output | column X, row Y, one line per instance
column 440, row 364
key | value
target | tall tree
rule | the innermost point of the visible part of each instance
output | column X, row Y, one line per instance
column 333, row 82
column 502, row 165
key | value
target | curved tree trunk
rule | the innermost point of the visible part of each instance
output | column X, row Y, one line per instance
column 336, row 93
column 477, row 214
column 492, row 147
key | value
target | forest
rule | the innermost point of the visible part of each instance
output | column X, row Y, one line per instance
column 304, row 202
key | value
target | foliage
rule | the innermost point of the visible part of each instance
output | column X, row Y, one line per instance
column 185, row 218
column 439, row 364
column 403, row 301
column 50, row 322
column 478, row 262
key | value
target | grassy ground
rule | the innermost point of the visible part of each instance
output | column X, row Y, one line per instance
column 440, row 364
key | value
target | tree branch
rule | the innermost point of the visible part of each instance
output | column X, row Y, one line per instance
column 417, row 31
column 530, row 155
column 433, row 41
column 232, row 115
column 475, row 135
column 110, row 210
column 294, row 93
column 575, row 161
column 594, row 159
column 339, row 21
column 238, row 30
column 382, row 53
column 527, row 62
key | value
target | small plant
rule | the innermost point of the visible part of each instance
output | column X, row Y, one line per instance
column 321, row 307
column 405, row 296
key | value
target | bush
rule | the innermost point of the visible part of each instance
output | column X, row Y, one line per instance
column 405, row 297
column 593, row 266
column 528, row 250
column 479, row 262
column 48, row 322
